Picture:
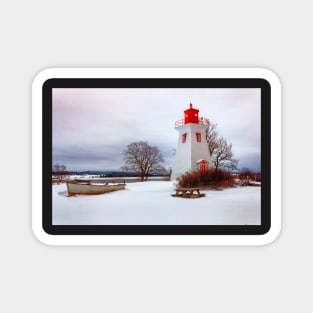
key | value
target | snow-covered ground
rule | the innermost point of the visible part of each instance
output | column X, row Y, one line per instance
column 150, row 203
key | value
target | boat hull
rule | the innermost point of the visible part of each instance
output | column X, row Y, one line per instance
column 74, row 188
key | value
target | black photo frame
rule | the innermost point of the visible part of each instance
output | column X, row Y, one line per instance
column 153, row 230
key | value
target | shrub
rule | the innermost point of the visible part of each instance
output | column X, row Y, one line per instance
column 208, row 178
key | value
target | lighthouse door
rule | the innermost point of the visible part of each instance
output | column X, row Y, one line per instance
column 203, row 165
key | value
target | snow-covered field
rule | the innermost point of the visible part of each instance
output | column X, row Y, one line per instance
column 150, row 203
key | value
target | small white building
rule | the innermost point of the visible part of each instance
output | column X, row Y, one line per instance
column 192, row 152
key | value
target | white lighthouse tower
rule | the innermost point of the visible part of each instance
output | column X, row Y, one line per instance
column 192, row 152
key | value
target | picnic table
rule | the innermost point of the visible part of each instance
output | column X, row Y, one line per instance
column 188, row 193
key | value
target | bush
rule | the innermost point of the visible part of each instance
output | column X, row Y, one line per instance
column 208, row 178
column 246, row 174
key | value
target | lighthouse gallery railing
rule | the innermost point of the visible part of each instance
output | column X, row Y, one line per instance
column 201, row 121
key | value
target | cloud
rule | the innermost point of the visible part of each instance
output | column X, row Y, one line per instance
column 92, row 126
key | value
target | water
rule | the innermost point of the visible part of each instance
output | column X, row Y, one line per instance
column 126, row 180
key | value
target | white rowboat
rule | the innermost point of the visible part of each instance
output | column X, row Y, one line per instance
column 76, row 187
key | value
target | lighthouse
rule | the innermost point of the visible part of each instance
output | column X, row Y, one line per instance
column 192, row 152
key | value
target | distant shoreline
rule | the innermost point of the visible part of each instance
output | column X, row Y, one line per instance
column 126, row 179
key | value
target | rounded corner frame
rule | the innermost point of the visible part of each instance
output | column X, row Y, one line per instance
column 272, row 233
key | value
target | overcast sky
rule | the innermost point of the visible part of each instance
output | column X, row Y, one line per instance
column 91, row 127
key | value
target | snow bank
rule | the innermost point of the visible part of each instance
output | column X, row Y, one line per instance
column 150, row 203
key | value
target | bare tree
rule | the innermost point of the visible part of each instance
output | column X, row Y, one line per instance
column 222, row 156
column 211, row 137
column 220, row 151
column 59, row 170
column 142, row 158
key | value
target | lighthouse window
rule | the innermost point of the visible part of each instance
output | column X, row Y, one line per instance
column 184, row 137
column 198, row 136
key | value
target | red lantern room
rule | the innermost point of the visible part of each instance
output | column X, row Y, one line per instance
column 191, row 115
